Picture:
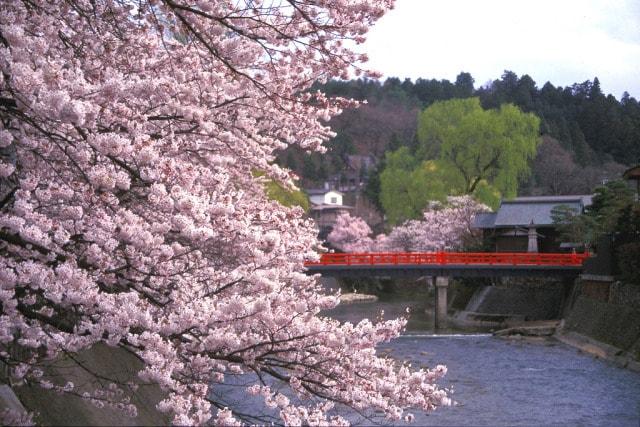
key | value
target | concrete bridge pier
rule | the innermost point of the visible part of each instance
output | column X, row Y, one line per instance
column 441, row 286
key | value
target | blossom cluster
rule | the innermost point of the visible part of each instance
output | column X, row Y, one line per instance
column 443, row 227
column 130, row 214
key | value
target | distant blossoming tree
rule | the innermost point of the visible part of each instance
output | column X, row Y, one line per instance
column 443, row 227
column 350, row 234
column 130, row 213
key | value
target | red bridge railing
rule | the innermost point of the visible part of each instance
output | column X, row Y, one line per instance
column 457, row 258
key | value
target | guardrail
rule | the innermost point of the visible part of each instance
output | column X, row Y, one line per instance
column 452, row 258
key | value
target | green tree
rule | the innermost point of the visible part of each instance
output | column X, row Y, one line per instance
column 609, row 204
column 309, row 170
column 489, row 148
column 573, row 226
column 282, row 195
column 464, row 85
column 606, row 215
column 287, row 197
column 407, row 186
column 395, row 181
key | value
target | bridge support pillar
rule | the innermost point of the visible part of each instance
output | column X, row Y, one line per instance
column 441, row 286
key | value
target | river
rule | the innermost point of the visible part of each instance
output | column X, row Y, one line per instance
column 516, row 383
column 496, row 382
column 500, row 382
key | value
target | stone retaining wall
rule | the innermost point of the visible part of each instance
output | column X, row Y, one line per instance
column 614, row 324
column 51, row 408
column 533, row 301
column 627, row 294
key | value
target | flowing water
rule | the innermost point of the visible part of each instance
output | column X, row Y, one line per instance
column 498, row 382
column 495, row 382
column 516, row 383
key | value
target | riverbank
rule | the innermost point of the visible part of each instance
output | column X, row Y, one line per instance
column 609, row 329
column 598, row 349
column 354, row 298
column 604, row 330
column 604, row 324
column 554, row 330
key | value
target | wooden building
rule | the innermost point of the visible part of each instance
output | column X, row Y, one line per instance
column 525, row 224
column 633, row 174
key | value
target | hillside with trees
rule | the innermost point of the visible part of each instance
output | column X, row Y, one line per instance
column 587, row 137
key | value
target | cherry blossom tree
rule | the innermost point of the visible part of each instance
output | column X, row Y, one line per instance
column 443, row 227
column 350, row 234
column 130, row 213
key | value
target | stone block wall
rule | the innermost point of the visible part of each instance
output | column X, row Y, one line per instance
column 614, row 324
column 531, row 299
column 51, row 408
column 598, row 290
column 627, row 294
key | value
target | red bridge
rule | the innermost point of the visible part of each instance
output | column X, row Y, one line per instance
column 461, row 264
column 442, row 265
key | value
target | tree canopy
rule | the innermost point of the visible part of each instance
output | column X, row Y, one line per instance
column 494, row 146
column 462, row 149
column 288, row 197
column 130, row 215
column 598, row 132
column 603, row 216
column 614, row 212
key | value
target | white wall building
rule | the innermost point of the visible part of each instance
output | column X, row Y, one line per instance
column 325, row 197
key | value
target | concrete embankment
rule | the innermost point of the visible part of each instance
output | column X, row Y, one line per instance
column 556, row 330
column 525, row 299
column 620, row 357
column 606, row 330
column 511, row 303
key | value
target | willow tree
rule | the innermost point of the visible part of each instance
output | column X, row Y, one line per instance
column 479, row 147
column 408, row 185
column 463, row 150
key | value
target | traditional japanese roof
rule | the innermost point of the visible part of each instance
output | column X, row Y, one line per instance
column 484, row 220
column 632, row 173
column 585, row 199
column 527, row 211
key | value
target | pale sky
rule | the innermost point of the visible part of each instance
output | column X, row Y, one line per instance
column 561, row 41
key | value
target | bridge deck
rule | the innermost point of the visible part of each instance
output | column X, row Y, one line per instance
column 459, row 264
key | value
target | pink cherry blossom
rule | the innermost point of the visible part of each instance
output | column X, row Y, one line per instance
column 350, row 234
column 130, row 214
column 442, row 228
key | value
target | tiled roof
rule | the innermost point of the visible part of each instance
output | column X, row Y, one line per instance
column 585, row 199
column 484, row 220
column 632, row 173
column 523, row 211
column 521, row 214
